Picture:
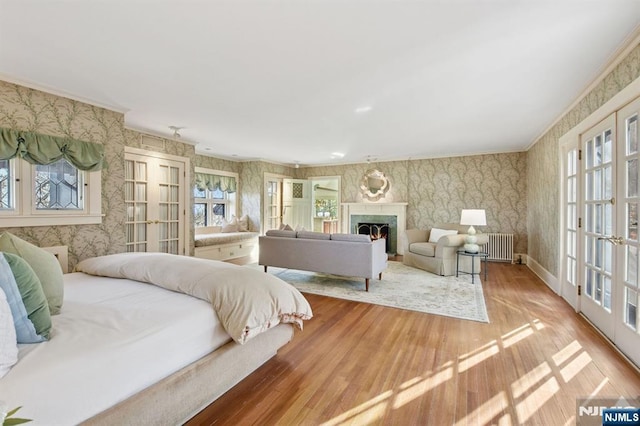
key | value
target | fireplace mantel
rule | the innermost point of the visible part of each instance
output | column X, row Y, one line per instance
column 383, row 209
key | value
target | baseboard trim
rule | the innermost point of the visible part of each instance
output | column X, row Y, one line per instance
column 547, row 277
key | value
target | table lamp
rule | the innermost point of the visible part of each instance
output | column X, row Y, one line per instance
column 472, row 217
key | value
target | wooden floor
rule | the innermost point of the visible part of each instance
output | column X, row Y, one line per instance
column 360, row 364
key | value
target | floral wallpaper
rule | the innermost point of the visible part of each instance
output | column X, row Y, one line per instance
column 33, row 110
column 27, row 109
column 252, row 184
column 436, row 190
column 543, row 171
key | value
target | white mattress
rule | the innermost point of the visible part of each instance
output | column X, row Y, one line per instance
column 113, row 338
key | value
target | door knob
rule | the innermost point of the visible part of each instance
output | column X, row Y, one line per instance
column 613, row 239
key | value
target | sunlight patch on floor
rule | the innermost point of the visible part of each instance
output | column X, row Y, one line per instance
column 487, row 411
column 536, row 399
column 524, row 383
column 567, row 352
column 537, row 324
column 416, row 388
column 529, row 392
column 370, row 411
column 525, row 332
column 471, row 359
column 575, row 366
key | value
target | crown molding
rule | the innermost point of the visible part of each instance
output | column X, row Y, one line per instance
column 629, row 43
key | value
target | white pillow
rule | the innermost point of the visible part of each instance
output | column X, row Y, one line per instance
column 8, row 340
column 243, row 223
column 436, row 233
column 231, row 226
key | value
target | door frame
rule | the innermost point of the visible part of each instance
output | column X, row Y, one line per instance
column 572, row 138
column 566, row 290
column 188, row 228
column 267, row 177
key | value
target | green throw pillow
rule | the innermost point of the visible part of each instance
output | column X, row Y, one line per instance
column 43, row 263
column 32, row 294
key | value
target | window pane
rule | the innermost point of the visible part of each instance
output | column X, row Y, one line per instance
column 632, row 178
column 218, row 213
column 6, row 201
column 58, row 186
column 631, row 311
column 597, row 159
column 632, row 135
column 200, row 214
column 198, row 193
column 607, row 146
column 632, row 221
column 218, row 195
column 632, row 265
column 597, row 185
column 607, row 293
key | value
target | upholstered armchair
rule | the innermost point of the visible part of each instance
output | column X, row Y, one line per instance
column 439, row 256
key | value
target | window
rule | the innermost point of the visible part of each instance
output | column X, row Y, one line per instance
column 52, row 194
column 6, row 185
column 58, row 186
column 214, row 197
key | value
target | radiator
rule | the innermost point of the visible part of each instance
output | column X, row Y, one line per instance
column 500, row 247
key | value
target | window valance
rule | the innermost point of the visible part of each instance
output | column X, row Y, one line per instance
column 213, row 182
column 44, row 149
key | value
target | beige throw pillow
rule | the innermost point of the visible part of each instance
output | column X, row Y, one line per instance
column 436, row 234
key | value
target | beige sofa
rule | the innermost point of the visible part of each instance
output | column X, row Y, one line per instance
column 440, row 258
column 340, row 254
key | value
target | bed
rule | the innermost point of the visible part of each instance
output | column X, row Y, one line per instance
column 125, row 351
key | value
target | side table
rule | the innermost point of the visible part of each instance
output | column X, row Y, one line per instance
column 481, row 254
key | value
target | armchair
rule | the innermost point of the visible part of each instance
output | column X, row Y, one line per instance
column 439, row 257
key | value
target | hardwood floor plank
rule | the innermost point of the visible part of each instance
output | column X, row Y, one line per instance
column 358, row 363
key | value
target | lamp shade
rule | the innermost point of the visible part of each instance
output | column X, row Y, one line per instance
column 473, row 217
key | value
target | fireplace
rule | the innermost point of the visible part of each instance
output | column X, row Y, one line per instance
column 393, row 214
column 377, row 226
column 375, row 230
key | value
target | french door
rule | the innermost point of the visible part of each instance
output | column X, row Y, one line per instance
column 155, row 203
column 272, row 201
column 600, row 231
column 603, row 194
column 627, row 296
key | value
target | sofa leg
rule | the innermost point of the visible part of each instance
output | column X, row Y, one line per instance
column 380, row 276
column 265, row 269
column 366, row 283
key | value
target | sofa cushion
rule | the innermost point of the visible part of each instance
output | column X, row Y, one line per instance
column 437, row 233
column 313, row 235
column 423, row 249
column 280, row 233
column 356, row 238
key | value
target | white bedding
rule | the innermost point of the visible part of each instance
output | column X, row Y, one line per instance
column 110, row 344
column 247, row 301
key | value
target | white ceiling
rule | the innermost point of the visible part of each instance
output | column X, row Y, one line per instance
column 286, row 81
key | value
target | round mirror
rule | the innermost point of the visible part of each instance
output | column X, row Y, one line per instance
column 374, row 184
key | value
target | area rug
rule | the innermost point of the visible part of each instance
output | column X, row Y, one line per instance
column 401, row 287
